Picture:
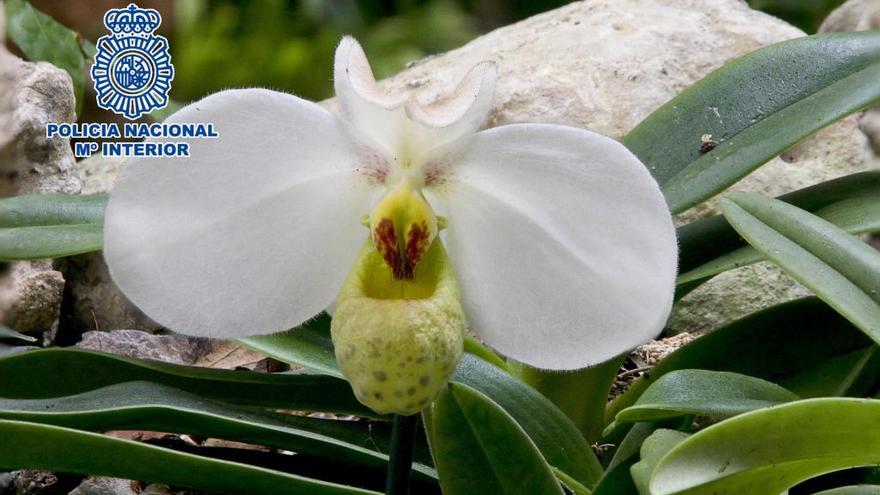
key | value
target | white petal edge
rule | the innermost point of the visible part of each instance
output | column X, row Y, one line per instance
column 562, row 243
column 253, row 233
column 408, row 125
column 457, row 114
column 371, row 112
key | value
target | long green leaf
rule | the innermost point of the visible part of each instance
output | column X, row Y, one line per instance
column 617, row 479
column 32, row 243
column 59, row 372
column 756, row 145
column 582, row 395
column 857, row 215
column 704, row 393
column 150, row 406
column 39, row 446
column 653, row 449
column 849, row 375
column 50, row 226
column 839, row 268
column 770, row 450
column 755, row 107
column 709, row 238
column 479, row 448
column 558, row 439
column 52, row 209
column 42, row 38
column 555, row 434
column 776, row 344
column 308, row 345
column 8, row 333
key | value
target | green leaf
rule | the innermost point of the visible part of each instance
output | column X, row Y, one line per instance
column 556, row 436
column 617, row 479
column 853, row 490
column 709, row 238
column 32, row 243
column 50, row 225
column 479, row 448
column 653, row 449
column 756, row 107
column 308, row 345
column 839, row 268
column 770, row 450
column 704, row 393
column 8, row 333
column 52, row 209
column 37, row 446
column 854, row 375
column 856, row 215
column 582, row 395
column 58, row 372
column 41, row 38
column 154, row 407
column 775, row 344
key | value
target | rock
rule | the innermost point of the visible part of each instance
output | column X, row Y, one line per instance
column 105, row 486
column 642, row 358
column 31, row 295
column 93, row 300
column 98, row 173
column 655, row 351
column 858, row 15
column 36, row 482
column 30, row 292
column 177, row 349
column 42, row 93
column 854, row 15
column 605, row 65
column 6, row 97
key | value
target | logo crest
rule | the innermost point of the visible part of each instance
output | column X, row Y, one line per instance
column 132, row 71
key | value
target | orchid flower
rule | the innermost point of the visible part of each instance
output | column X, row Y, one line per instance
column 553, row 243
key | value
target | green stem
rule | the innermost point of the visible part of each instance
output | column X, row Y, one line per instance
column 400, row 459
column 582, row 395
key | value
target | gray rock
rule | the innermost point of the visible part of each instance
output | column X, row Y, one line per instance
column 30, row 296
column 94, row 300
column 6, row 96
column 858, row 15
column 98, row 173
column 42, row 93
column 178, row 349
column 104, row 486
column 115, row 486
column 854, row 15
column 31, row 95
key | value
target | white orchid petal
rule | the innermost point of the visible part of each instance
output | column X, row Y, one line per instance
column 404, row 124
column 562, row 242
column 253, row 233
column 371, row 112
column 459, row 113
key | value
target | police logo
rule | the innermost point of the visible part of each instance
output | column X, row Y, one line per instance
column 132, row 70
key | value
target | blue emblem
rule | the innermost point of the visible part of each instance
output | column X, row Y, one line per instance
column 132, row 70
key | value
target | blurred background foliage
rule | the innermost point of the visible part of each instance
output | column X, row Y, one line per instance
column 288, row 44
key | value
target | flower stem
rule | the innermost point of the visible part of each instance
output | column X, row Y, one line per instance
column 403, row 437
